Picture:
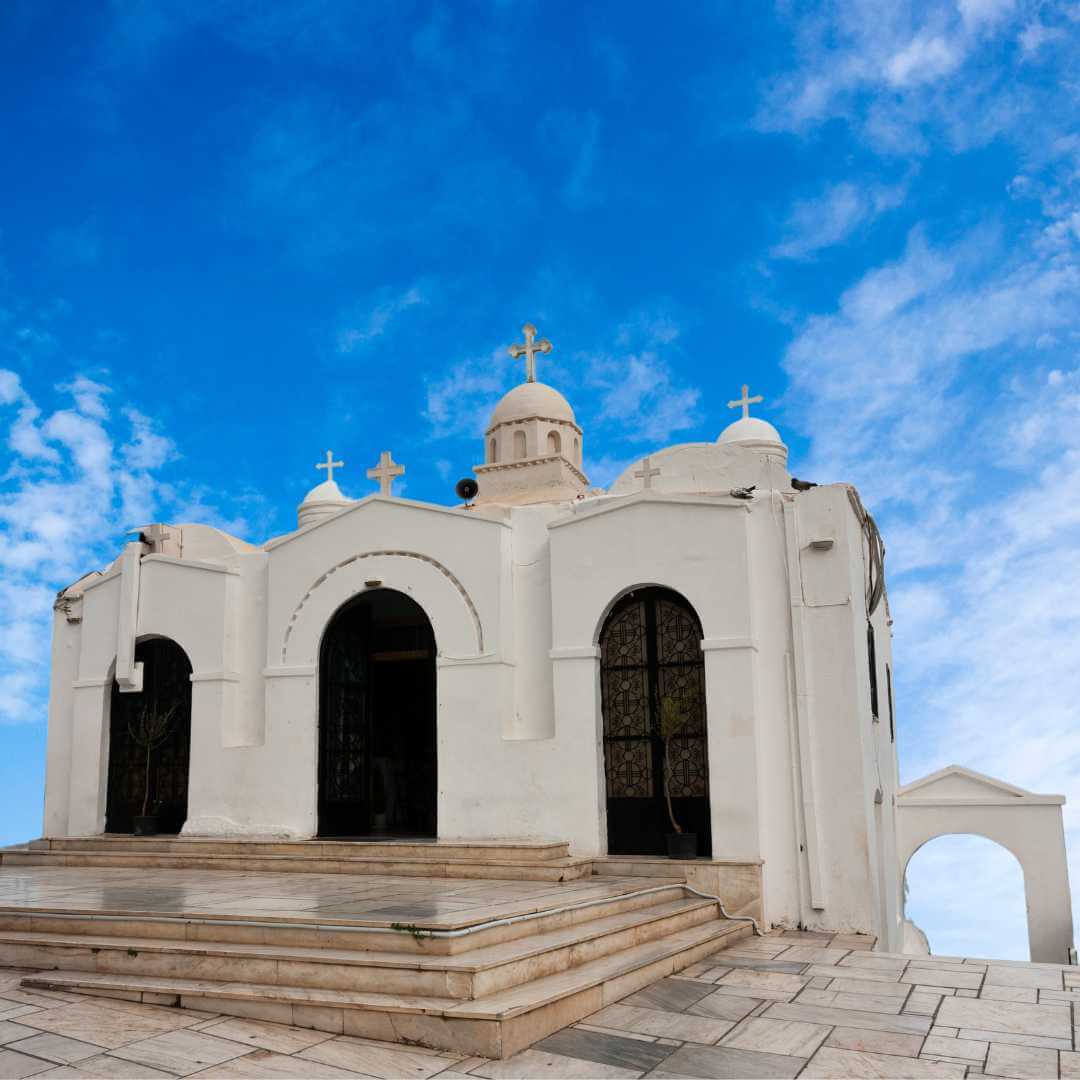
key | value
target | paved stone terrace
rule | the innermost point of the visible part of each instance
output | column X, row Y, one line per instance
column 790, row 1004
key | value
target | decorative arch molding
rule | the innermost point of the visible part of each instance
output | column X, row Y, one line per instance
column 598, row 626
column 453, row 614
column 958, row 801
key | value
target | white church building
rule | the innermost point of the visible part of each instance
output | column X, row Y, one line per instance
column 702, row 649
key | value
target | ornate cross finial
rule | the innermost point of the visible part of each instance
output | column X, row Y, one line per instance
column 646, row 473
column 745, row 401
column 385, row 472
column 529, row 350
column 330, row 465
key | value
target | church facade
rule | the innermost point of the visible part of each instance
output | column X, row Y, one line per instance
column 701, row 650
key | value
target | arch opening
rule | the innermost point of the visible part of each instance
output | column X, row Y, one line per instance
column 652, row 691
column 940, row 880
column 150, row 742
column 519, row 445
column 377, row 709
column 554, row 443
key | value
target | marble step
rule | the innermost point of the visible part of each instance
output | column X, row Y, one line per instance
column 349, row 934
column 430, row 865
column 504, row 850
column 496, row 1025
column 473, row 974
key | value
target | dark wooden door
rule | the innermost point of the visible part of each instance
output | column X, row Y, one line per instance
column 650, row 651
column 377, row 706
column 166, row 685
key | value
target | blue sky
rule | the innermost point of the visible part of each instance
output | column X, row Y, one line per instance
column 233, row 234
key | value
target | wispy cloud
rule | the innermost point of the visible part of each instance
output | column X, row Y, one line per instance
column 833, row 216
column 375, row 320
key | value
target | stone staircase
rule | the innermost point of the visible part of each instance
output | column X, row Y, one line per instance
column 517, row 964
column 520, row 860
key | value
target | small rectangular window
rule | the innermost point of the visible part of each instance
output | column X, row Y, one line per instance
column 872, row 651
column 892, row 720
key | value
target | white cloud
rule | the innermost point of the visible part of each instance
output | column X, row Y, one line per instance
column 79, row 479
column 834, row 215
column 376, row 320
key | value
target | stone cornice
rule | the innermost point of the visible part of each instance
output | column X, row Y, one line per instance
column 527, row 419
column 524, row 463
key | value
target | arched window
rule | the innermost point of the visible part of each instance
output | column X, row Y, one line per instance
column 652, row 684
column 491, row 451
column 577, row 451
column 519, row 445
column 554, row 443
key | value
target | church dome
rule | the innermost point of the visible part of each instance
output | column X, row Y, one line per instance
column 751, row 429
column 531, row 399
column 321, row 501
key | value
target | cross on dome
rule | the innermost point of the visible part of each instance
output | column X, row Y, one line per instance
column 745, row 401
column 330, row 465
column 385, row 472
column 529, row 350
column 646, row 473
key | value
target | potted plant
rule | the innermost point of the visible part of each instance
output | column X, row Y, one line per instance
column 674, row 715
column 149, row 729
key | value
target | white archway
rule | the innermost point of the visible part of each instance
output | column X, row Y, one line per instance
column 958, row 800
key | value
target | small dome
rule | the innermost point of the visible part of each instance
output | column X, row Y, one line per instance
column 321, row 501
column 750, row 429
column 532, row 399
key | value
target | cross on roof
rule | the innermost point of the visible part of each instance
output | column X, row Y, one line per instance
column 529, row 350
column 646, row 473
column 745, row 401
column 330, row 465
column 385, row 472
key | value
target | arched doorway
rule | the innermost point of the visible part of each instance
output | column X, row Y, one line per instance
column 939, row 881
column 377, row 706
column 652, row 668
column 166, row 692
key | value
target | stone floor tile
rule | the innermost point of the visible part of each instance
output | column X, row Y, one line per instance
column 942, row 976
column 621, row 1031
column 807, row 935
column 875, row 1042
column 834, row 1064
column 1023, row 1061
column 922, row 1004
column 789, row 967
column 376, row 1058
column 806, row 954
column 819, row 982
column 1015, row 1039
column 614, row 1050
column 673, row 994
column 816, row 1014
column 107, row 1067
column 109, row 1027
column 264, row 1036
column 722, row 1062
column 17, row 1011
column 10, row 1032
column 180, row 1052
column 861, row 986
column 1050, row 1020
column 720, row 1006
column 968, row 1049
column 791, row 1038
column 266, row 1065
column 1031, row 976
column 14, row 1066
column 1070, row 1064
column 58, row 1048
column 661, row 1024
column 861, row 1002
column 536, row 1063
column 1008, row 993
column 947, row 1032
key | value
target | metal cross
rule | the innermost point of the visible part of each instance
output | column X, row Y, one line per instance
column 385, row 472
column 330, row 465
column 529, row 350
column 646, row 473
column 746, row 401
